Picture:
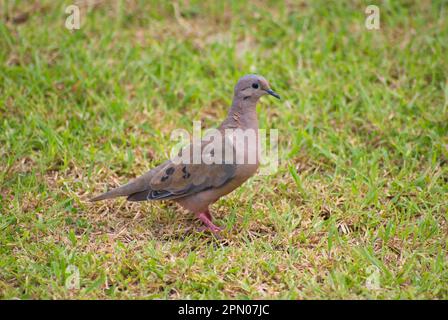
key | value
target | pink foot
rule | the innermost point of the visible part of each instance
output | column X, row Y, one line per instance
column 206, row 218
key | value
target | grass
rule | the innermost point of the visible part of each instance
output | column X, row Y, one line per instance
column 362, row 184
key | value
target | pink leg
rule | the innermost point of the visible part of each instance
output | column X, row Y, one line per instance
column 206, row 218
column 209, row 216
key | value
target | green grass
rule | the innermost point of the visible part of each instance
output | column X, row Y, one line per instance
column 363, row 127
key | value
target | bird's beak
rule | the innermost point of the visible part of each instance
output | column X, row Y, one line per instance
column 273, row 93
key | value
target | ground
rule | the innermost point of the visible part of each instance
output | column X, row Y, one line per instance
column 356, row 210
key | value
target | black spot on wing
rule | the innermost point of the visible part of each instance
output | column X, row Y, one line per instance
column 169, row 171
column 186, row 174
column 164, row 178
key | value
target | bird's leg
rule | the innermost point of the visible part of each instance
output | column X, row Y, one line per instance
column 208, row 214
column 206, row 218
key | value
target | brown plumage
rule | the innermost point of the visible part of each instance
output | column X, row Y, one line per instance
column 197, row 185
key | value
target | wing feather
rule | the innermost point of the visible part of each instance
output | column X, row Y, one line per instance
column 175, row 180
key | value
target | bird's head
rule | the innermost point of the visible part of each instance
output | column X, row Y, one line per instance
column 253, row 86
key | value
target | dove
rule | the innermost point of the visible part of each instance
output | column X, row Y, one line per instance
column 195, row 185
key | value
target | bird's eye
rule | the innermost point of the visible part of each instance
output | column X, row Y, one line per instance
column 255, row 85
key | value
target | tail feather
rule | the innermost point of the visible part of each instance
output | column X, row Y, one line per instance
column 137, row 185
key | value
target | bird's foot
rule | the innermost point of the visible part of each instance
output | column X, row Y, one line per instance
column 205, row 217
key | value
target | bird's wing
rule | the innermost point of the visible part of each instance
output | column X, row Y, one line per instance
column 173, row 180
column 179, row 180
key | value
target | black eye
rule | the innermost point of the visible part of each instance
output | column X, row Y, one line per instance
column 255, row 85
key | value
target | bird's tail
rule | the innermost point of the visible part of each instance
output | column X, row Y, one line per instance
column 132, row 187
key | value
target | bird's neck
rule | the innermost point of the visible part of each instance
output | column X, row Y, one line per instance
column 242, row 114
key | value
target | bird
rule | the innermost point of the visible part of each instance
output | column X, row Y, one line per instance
column 195, row 186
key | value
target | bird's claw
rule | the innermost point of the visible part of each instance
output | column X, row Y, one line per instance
column 205, row 217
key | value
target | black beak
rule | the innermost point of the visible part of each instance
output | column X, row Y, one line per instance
column 273, row 93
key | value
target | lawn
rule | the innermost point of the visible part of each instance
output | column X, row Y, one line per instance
column 356, row 210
